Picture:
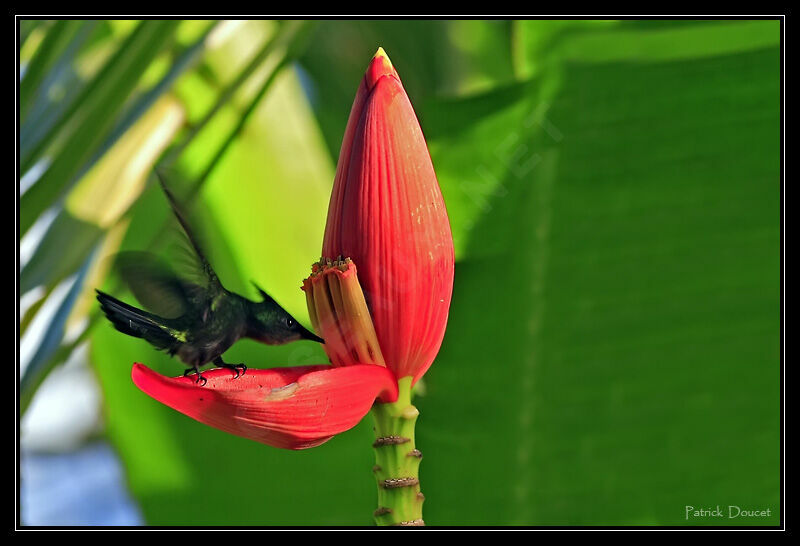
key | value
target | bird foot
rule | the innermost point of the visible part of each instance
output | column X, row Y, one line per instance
column 199, row 377
column 238, row 369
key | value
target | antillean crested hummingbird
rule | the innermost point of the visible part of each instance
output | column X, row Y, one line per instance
column 195, row 318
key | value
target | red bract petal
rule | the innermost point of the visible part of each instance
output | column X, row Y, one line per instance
column 388, row 215
column 291, row 408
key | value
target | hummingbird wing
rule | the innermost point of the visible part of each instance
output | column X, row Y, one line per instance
column 200, row 284
column 155, row 285
column 208, row 277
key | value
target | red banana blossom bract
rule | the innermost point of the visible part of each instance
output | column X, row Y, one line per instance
column 388, row 215
column 292, row 408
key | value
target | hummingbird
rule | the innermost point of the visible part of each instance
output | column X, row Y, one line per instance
column 194, row 316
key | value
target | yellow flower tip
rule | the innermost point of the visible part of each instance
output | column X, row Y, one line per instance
column 379, row 66
column 381, row 54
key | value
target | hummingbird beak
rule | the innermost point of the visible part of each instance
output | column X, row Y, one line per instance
column 306, row 334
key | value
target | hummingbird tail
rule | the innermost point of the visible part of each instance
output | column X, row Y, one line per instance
column 135, row 322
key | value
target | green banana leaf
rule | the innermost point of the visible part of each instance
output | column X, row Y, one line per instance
column 613, row 348
column 105, row 96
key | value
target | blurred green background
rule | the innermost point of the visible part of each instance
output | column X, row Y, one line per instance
column 612, row 353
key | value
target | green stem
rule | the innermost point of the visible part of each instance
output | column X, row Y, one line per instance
column 397, row 461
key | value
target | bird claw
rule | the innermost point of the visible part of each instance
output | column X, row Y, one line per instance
column 240, row 369
column 199, row 377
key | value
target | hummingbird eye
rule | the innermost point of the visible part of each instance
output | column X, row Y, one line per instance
column 289, row 322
